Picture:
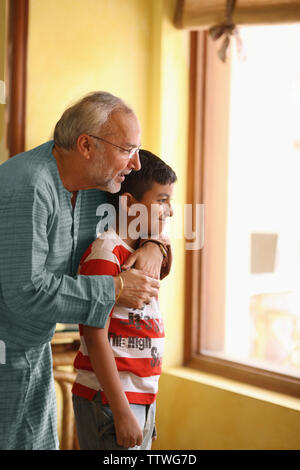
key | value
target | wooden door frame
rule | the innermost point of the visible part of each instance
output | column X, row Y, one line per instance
column 16, row 76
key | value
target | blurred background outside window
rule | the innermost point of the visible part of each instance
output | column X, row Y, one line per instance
column 262, row 282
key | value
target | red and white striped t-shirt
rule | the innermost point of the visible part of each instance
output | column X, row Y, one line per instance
column 136, row 336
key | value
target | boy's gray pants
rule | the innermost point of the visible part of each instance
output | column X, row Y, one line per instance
column 95, row 425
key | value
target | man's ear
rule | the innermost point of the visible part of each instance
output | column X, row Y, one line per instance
column 84, row 146
column 126, row 201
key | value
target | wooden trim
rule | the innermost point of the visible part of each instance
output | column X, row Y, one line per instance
column 178, row 17
column 17, row 60
column 195, row 186
column 194, row 259
column 215, row 197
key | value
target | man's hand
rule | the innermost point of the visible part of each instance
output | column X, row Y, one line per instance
column 138, row 289
column 128, row 431
column 148, row 259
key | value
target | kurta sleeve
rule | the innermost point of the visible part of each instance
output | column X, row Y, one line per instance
column 31, row 292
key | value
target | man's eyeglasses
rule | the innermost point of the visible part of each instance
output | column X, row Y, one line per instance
column 130, row 152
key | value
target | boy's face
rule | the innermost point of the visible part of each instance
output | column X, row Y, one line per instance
column 157, row 200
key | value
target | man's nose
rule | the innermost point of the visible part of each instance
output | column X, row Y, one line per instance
column 134, row 163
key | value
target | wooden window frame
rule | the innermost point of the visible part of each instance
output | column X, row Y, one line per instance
column 16, row 75
column 194, row 259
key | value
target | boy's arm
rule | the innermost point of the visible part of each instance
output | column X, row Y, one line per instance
column 128, row 431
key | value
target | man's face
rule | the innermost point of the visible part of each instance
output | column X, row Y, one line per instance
column 110, row 164
column 157, row 201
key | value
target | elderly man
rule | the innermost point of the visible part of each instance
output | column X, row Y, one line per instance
column 48, row 201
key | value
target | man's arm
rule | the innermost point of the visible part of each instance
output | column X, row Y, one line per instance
column 154, row 257
column 29, row 290
column 128, row 431
column 36, row 297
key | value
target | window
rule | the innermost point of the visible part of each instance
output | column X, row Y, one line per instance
column 243, row 288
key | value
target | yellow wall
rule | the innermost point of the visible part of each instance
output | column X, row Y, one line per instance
column 78, row 46
column 3, row 150
column 130, row 48
column 201, row 411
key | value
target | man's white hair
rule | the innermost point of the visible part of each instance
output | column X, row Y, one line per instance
column 86, row 116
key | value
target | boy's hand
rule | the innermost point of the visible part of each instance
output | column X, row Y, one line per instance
column 128, row 431
column 138, row 289
column 148, row 259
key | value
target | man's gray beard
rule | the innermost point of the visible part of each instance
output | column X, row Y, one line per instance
column 112, row 187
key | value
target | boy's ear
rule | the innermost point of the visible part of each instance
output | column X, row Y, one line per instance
column 126, row 200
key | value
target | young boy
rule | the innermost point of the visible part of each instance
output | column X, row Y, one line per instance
column 119, row 366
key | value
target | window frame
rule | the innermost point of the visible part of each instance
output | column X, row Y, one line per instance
column 244, row 373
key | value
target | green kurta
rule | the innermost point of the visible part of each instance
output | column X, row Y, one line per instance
column 42, row 239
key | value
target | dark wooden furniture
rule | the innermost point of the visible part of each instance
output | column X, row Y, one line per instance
column 64, row 347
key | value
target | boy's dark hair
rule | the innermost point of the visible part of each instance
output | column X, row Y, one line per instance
column 153, row 170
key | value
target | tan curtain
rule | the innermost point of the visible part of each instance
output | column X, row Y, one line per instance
column 202, row 14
